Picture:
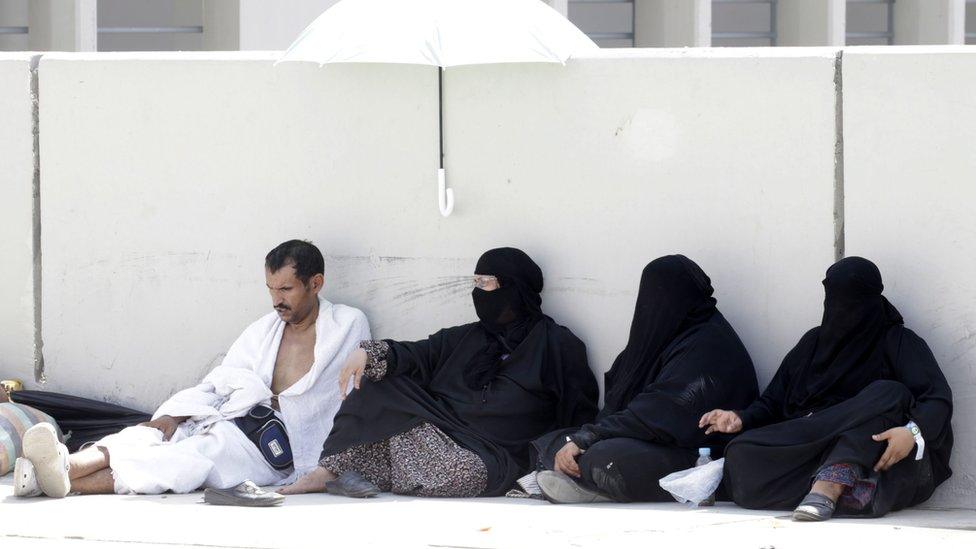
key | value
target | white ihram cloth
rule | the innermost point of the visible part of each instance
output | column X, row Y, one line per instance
column 209, row 450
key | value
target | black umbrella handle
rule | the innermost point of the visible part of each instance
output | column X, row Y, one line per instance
column 440, row 115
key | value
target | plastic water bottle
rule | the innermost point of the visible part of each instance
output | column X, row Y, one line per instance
column 704, row 458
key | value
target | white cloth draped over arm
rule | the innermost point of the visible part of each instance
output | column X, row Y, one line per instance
column 243, row 380
column 233, row 387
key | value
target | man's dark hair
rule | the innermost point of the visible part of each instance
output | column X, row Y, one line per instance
column 302, row 254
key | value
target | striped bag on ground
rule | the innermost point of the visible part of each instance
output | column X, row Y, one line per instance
column 15, row 419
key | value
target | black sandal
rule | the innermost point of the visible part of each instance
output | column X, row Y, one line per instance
column 814, row 508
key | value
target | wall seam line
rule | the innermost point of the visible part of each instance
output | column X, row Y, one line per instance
column 839, row 219
column 39, row 373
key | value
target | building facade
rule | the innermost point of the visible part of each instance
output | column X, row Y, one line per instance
column 171, row 25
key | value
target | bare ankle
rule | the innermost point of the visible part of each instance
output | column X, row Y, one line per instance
column 832, row 490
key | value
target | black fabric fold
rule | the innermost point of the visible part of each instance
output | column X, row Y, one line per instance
column 81, row 419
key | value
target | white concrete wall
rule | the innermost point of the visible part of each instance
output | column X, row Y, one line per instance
column 910, row 164
column 598, row 168
column 167, row 180
column 174, row 241
column 16, row 213
column 167, row 177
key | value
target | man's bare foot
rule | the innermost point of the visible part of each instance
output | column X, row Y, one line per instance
column 830, row 489
column 312, row 482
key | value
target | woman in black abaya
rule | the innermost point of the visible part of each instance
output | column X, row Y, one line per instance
column 682, row 359
column 855, row 420
column 453, row 415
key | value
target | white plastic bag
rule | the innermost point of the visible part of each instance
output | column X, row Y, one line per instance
column 696, row 484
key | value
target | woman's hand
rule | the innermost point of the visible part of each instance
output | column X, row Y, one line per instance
column 353, row 369
column 720, row 421
column 900, row 444
column 566, row 459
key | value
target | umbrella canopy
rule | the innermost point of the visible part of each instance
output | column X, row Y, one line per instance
column 440, row 33
column 444, row 33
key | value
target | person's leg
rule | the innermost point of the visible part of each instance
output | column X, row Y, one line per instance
column 372, row 461
column 628, row 469
column 87, row 461
column 99, row 482
column 846, row 477
column 773, row 467
column 427, row 462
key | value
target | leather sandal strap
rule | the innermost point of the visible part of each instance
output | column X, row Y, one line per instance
column 818, row 500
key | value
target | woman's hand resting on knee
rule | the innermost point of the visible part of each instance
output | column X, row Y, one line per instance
column 900, row 444
column 565, row 461
column 720, row 421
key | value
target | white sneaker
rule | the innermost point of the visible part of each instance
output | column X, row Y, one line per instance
column 49, row 458
column 25, row 479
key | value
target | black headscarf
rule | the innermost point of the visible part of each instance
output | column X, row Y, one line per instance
column 507, row 313
column 674, row 295
column 847, row 352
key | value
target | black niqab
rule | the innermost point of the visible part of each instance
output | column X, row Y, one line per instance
column 674, row 295
column 508, row 313
column 847, row 352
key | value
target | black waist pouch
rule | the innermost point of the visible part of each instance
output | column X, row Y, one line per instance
column 268, row 433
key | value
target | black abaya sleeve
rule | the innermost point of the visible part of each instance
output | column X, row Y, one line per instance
column 694, row 380
column 578, row 392
column 420, row 359
column 768, row 409
column 914, row 365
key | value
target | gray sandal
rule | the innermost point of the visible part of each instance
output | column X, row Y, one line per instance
column 351, row 485
column 814, row 508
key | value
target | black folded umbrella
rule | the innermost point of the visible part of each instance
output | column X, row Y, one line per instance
column 81, row 419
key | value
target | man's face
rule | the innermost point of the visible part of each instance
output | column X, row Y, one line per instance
column 292, row 299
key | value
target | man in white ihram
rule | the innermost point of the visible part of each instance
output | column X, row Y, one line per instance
column 261, row 416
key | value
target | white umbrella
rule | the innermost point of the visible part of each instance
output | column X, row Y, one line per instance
column 441, row 33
